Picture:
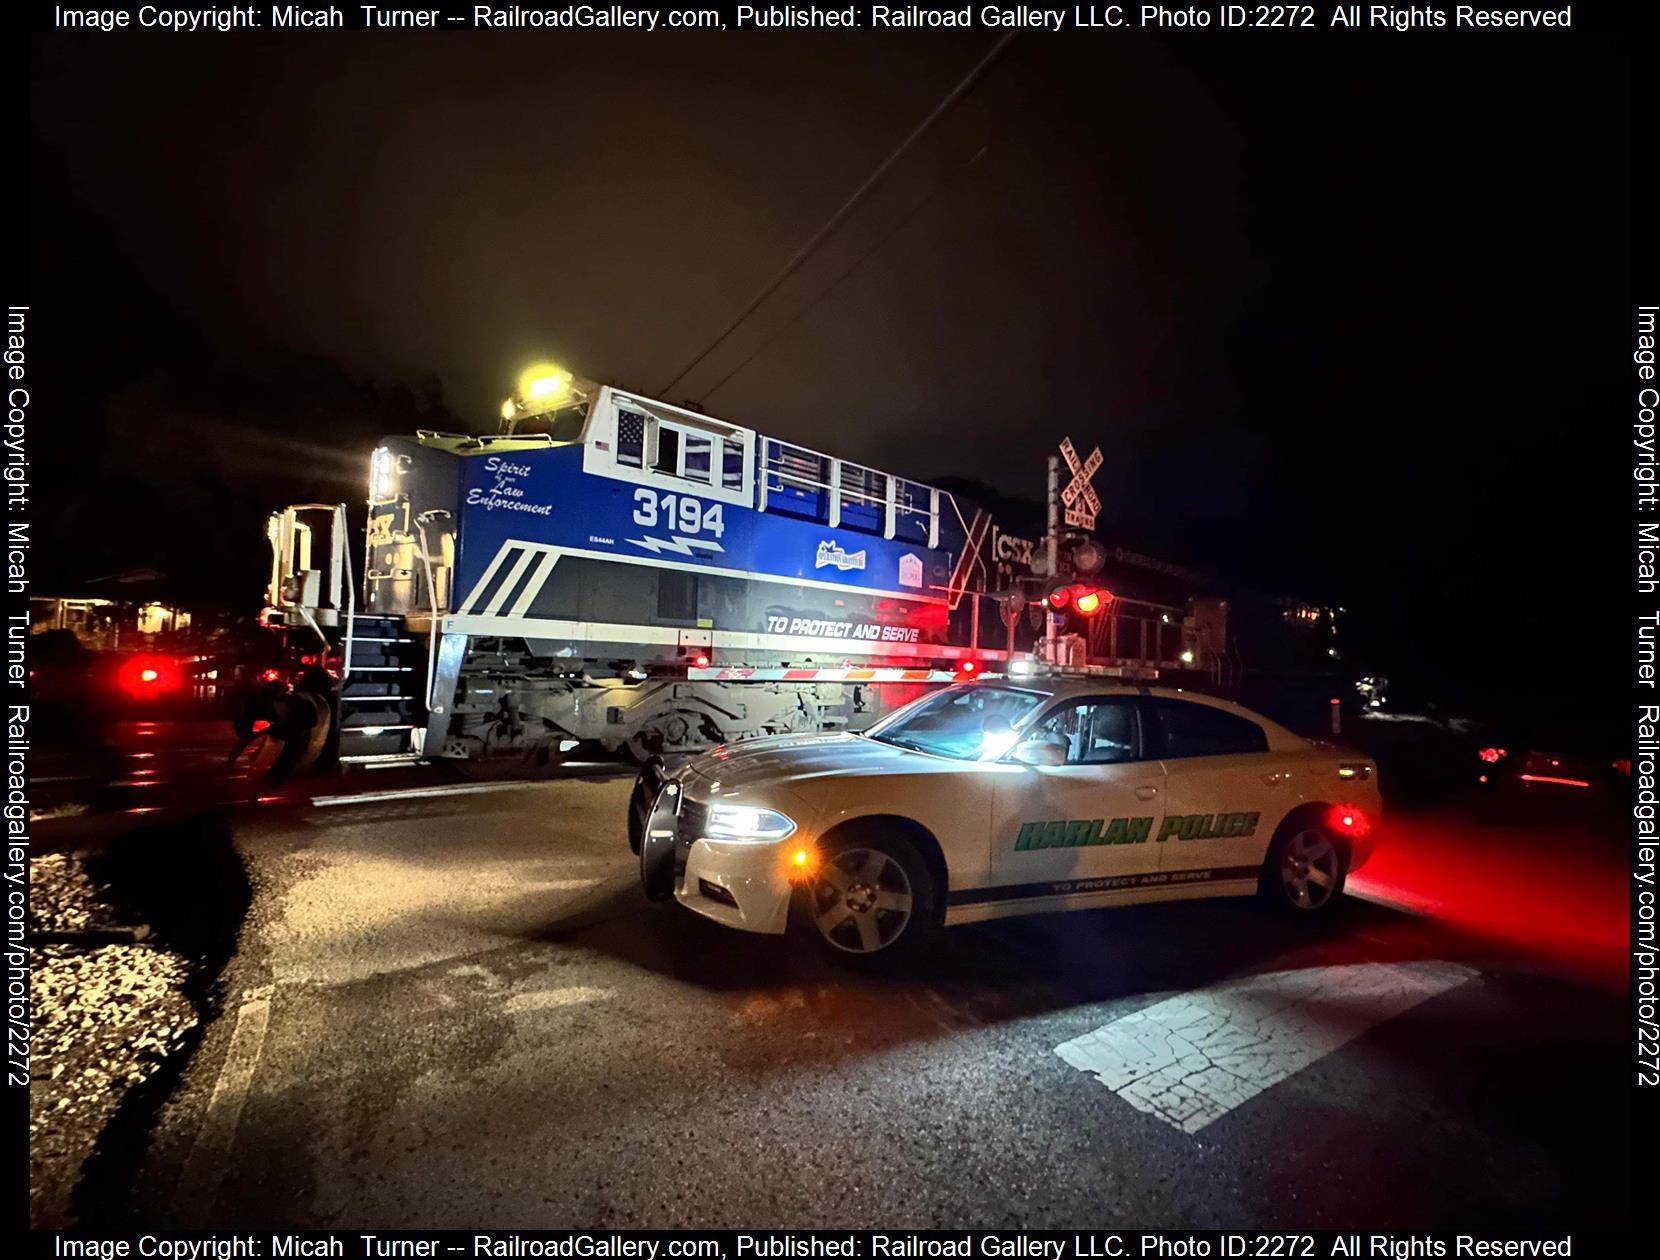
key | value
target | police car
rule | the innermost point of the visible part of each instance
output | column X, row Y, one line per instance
column 995, row 798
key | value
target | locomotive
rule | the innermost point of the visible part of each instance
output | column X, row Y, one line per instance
column 611, row 569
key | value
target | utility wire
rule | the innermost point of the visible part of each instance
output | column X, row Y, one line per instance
column 846, row 208
column 830, row 288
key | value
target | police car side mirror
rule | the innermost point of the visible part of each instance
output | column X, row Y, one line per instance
column 1040, row 752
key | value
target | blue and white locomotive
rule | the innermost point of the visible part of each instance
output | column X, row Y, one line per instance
column 632, row 573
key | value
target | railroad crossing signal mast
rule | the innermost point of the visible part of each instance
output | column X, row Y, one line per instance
column 1079, row 498
column 1079, row 505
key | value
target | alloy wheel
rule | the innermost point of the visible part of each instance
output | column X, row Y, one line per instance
column 1309, row 870
column 861, row 900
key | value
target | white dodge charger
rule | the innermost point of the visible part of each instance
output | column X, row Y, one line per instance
column 999, row 798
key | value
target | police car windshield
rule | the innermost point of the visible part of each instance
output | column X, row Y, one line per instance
column 953, row 722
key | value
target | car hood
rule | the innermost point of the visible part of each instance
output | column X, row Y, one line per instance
column 792, row 761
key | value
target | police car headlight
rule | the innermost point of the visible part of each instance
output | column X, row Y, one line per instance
column 745, row 822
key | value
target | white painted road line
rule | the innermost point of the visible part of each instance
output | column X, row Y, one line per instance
column 410, row 794
column 204, row 1168
column 1190, row 1060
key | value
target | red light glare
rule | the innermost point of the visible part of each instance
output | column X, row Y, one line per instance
column 1349, row 820
column 1553, row 779
column 968, row 667
column 1491, row 755
column 271, row 676
column 1089, row 603
column 148, row 676
column 701, row 661
column 1060, row 598
column 260, row 724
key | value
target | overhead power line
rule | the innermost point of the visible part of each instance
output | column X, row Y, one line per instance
column 846, row 208
column 858, row 262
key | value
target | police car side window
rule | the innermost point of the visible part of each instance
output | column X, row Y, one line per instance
column 1181, row 729
column 1095, row 732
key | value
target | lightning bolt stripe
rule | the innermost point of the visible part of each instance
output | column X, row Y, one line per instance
column 679, row 546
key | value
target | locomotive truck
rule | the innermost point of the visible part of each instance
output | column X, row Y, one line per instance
column 610, row 569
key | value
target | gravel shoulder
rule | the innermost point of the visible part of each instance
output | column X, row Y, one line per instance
column 105, row 1016
column 122, row 982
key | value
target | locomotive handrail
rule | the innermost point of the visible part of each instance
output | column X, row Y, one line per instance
column 844, row 481
column 341, row 538
column 481, row 441
column 426, row 556
column 435, row 629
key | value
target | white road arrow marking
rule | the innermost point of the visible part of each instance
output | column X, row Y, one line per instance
column 1191, row 1059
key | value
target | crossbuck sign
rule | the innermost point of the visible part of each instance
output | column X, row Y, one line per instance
column 1079, row 496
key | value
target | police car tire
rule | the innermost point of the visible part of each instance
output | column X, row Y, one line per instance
column 1305, row 841
column 924, row 911
column 657, row 867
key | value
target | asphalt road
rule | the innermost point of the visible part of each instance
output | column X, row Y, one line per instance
column 459, row 1011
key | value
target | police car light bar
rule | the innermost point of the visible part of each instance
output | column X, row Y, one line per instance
column 1039, row 669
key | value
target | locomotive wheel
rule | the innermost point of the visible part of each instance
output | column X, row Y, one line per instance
column 642, row 746
column 295, row 738
column 671, row 732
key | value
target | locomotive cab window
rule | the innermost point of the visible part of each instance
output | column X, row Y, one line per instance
column 652, row 445
column 732, row 464
column 667, row 459
column 631, row 438
column 697, row 451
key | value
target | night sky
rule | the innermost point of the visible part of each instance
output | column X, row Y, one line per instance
column 1348, row 318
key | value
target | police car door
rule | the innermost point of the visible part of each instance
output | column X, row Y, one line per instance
column 1093, row 816
column 1220, row 790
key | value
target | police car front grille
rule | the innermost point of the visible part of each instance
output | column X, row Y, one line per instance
column 694, row 816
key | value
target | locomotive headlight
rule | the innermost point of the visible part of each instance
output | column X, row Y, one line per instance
column 547, row 386
column 746, row 822
column 542, row 385
column 382, row 470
